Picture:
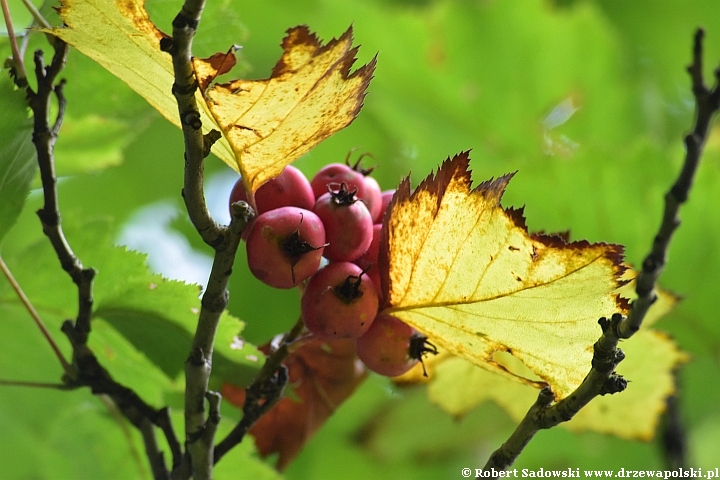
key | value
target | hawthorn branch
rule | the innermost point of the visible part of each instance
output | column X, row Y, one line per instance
column 707, row 103
column 179, row 47
column 263, row 393
column 85, row 370
column 200, row 428
column 44, row 138
column 141, row 415
column 601, row 379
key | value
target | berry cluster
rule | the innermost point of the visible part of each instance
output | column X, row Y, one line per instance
column 336, row 216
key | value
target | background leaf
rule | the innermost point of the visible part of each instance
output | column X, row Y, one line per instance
column 17, row 153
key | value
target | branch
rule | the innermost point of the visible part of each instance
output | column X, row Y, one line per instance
column 91, row 374
column 199, row 428
column 179, row 46
column 86, row 371
column 707, row 104
column 44, row 138
column 601, row 379
column 263, row 393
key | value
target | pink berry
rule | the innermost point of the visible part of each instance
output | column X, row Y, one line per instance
column 289, row 189
column 339, row 302
column 348, row 225
column 285, row 246
column 391, row 347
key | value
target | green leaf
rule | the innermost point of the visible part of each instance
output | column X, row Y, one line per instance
column 61, row 434
column 156, row 315
column 93, row 142
column 17, row 154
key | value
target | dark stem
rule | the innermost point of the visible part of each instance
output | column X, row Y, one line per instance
column 141, row 415
column 707, row 103
column 86, row 370
column 673, row 441
column 263, row 393
column 601, row 379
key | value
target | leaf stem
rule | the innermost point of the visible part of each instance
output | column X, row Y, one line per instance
column 20, row 73
column 36, row 15
column 601, row 379
column 69, row 371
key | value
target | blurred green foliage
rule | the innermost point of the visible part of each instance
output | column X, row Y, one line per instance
column 587, row 99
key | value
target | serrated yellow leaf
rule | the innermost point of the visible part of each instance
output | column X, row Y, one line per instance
column 310, row 95
column 458, row 386
column 120, row 36
column 465, row 272
column 266, row 124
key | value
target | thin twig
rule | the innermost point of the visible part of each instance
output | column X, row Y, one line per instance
column 163, row 421
column 44, row 138
column 139, row 414
column 674, row 438
column 602, row 380
column 707, row 103
column 263, row 393
column 21, row 383
column 19, row 64
column 37, row 16
column 36, row 317
column 120, row 420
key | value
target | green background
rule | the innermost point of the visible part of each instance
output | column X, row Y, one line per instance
column 451, row 76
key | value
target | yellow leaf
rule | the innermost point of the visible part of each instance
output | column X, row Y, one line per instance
column 310, row 95
column 458, row 386
column 465, row 272
column 266, row 124
column 120, row 36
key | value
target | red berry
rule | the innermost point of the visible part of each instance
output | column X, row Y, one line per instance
column 373, row 199
column 369, row 260
column 285, row 246
column 386, row 197
column 339, row 302
column 391, row 347
column 337, row 173
column 289, row 189
column 348, row 225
